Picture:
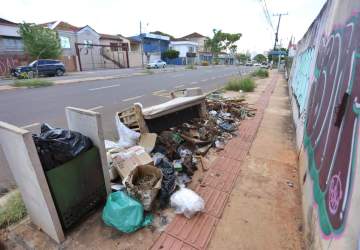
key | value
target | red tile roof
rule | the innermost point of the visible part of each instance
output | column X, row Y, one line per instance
column 194, row 35
column 62, row 26
column 110, row 37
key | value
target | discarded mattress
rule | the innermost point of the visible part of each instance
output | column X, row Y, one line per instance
column 172, row 106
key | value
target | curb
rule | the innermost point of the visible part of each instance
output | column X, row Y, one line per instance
column 62, row 82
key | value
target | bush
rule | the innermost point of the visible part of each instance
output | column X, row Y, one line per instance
column 262, row 73
column 170, row 54
column 245, row 84
column 13, row 210
column 32, row 83
column 204, row 63
column 190, row 66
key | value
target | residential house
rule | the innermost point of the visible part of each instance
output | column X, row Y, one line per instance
column 115, row 48
column 188, row 51
column 225, row 58
column 11, row 47
column 77, row 43
column 203, row 53
column 152, row 45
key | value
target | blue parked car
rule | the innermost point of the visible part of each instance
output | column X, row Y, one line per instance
column 44, row 67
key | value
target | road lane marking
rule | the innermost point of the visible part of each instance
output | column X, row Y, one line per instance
column 95, row 108
column 193, row 83
column 204, row 80
column 179, row 86
column 213, row 78
column 132, row 98
column 105, row 87
column 159, row 91
column 31, row 125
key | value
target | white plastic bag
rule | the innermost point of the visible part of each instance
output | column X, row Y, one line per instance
column 127, row 137
column 187, row 202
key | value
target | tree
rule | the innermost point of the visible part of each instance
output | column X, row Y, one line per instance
column 222, row 41
column 260, row 58
column 170, row 54
column 40, row 42
column 243, row 58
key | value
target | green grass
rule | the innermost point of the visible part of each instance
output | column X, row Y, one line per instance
column 32, row 83
column 190, row 66
column 13, row 210
column 245, row 84
column 262, row 73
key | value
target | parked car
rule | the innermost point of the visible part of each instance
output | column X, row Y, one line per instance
column 248, row 64
column 257, row 64
column 265, row 66
column 156, row 64
column 45, row 67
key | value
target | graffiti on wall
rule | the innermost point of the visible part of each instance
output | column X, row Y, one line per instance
column 10, row 61
column 332, row 124
column 301, row 78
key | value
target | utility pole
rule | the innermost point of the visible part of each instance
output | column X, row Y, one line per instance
column 278, row 26
column 141, row 47
column 277, row 34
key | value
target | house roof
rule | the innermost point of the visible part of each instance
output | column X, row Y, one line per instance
column 193, row 35
column 110, row 37
column 7, row 22
column 162, row 34
column 60, row 25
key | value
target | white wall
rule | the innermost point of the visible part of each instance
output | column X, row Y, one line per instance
column 184, row 47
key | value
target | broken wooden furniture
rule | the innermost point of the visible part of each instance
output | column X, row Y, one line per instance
column 169, row 114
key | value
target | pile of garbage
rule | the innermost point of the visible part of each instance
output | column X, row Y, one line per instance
column 147, row 166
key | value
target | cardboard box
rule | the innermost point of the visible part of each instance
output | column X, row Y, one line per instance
column 145, row 194
column 127, row 160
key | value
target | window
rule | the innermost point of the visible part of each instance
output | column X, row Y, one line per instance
column 12, row 44
column 114, row 46
column 191, row 49
column 65, row 42
column 88, row 43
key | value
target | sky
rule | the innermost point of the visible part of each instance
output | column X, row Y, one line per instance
column 177, row 18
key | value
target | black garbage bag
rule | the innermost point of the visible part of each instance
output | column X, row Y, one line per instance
column 168, row 183
column 56, row 146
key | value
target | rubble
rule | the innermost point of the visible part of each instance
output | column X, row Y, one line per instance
column 179, row 150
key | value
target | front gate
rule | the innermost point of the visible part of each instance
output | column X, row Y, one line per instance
column 98, row 56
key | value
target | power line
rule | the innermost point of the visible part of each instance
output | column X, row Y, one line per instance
column 267, row 15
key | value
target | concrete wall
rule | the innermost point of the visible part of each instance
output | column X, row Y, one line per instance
column 20, row 152
column 325, row 93
column 11, row 60
column 135, row 59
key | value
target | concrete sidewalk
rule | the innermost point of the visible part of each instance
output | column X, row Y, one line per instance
column 251, row 191
column 106, row 74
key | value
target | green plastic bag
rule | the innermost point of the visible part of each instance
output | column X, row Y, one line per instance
column 124, row 213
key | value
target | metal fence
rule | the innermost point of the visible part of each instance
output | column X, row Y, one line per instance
column 97, row 56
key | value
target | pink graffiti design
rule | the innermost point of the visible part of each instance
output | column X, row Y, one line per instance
column 335, row 194
column 331, row 133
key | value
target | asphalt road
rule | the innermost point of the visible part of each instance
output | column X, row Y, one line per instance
column 31, row 107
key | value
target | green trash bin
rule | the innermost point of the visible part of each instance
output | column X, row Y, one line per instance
column 77, row 187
